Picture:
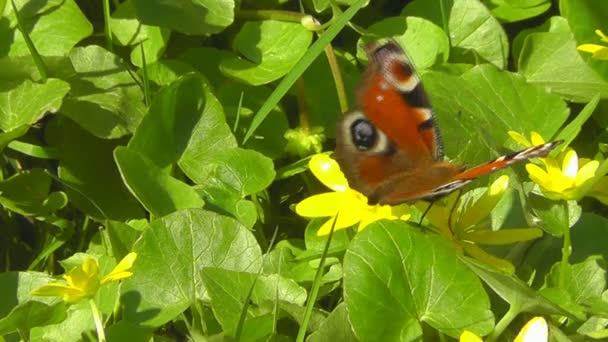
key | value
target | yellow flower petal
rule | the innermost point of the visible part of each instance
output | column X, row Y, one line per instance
column 468, row 336
column 570, row 164
column 586, row 172
column 519, row 138
column 537, row 174
column 503, row 237
column 536, row 330
column 68, row 293
column 345, row 220
column 485, row 204
column 325, row 204
column 122, row 270
column 328, row 172
column 601, row 35
column 591, row 48
column 536, row 138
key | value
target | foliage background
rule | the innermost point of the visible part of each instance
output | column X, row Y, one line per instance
column 161, row 128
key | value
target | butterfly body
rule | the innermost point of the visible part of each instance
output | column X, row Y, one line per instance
column 390, row 147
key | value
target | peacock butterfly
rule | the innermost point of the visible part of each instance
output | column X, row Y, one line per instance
column 390, row 148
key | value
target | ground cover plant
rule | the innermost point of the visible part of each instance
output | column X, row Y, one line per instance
column 167, row 175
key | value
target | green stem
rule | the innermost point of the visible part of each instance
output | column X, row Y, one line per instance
column 337, row 75
column 30, row 45
column 101, row 336
column 564, row 265
column 316, row 284
column 504, row 322
column 108, row 25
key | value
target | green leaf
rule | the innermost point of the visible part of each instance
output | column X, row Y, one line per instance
column 122, row 237
column 312, row 53
column 27, row 193
column 322, row 5
column 553, row 24
column 510, row 11
column 584, row 17
column 228, row 291
column 212, row 155
column 90, row 176
column 31, row 314
column 269, row 50
column 7, row 137
column 575, row 126
column 555, row 216
column 227, row 200
column 394, row 271
column 105, row 99
column 190, row 17
column 28, row 102
column 475, row 111
column 514, row 291
column 165, row 131
column 171, row 252
column 336, row 327
column 550, row 59
column 269, row 139
column 20, row 286
column 585, row 281
column 54, row 31
column 20, row 68
column 77, row 323
column 127, row 331
column 156, row 190
column 425, row 43
column 474, row 33
column 586, row 237
column 130, row 32
column 207, row 61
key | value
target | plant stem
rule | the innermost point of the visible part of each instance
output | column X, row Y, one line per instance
column 108, row 25
column 504, row 322
column 101, row 336
column 565, row 266
column 316, row 284
column 337, row 75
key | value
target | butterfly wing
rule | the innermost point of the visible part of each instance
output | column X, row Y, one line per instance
column 393, row 131
column 390, row 147
column 403, row 187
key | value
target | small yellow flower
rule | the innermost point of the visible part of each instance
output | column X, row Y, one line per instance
column 598, row 51
column 468, row 223
column 536, row 330
column 83, row 282
column 350, row 204
column 468, row 336
column 563, row 177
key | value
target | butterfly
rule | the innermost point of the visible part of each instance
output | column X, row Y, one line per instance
column 389, row 147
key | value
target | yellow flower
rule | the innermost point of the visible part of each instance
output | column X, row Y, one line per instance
column 468, row 223
column 536, row 330
column 350, row 205
column 83, row 282
column 598, row 51
column 468, row 336
column 563, row 177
